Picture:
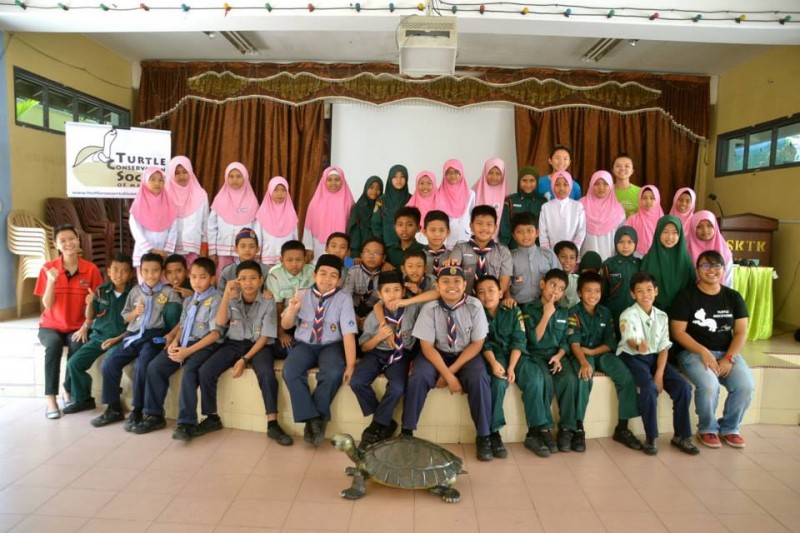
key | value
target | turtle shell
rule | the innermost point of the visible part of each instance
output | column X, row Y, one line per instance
column 411, row 463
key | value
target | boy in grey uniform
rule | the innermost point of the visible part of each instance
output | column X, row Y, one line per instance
column 246, row 250
column 482, row 255
column 325, row 336
column 192, row 341
column 362, row 280
column 387, row 349
column 451, row 332
column 252, row 323
column 530, row 261
column 151, row 310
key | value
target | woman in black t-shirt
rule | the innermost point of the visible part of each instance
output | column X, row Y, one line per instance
column 709, row 321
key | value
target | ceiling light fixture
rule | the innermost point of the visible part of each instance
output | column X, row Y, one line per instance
column 240, row 42
column 599, row 49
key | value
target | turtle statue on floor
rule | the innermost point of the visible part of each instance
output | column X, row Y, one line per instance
column 403, row 462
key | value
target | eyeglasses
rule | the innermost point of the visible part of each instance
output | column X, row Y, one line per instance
column 709, row 266
column 370, row 253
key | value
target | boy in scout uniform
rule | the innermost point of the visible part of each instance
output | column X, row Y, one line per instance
column 546, row 327
column 188, row 345
column 530, row 262
column 325, row 337
column 406, row 227
column 252, row 323
column 388, row 347
column 151, row 310
column 284, row 279
column 592, row 341
column 246, row 250
column 436, row 229
column 504, row 345
column 451, row 331
column 482, row 256
column 104, row 319
column 361, row 283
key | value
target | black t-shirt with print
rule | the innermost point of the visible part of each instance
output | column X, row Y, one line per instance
column 709, row 318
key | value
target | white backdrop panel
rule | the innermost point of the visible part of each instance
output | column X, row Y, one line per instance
column 367, row 140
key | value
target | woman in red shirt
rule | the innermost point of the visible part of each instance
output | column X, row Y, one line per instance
column 64, row 285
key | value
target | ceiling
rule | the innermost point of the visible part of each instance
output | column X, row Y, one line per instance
column 339, row 34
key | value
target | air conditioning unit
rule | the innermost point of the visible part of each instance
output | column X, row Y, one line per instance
column 427, row 45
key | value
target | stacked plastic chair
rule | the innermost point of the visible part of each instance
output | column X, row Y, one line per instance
column 96, row 246
column 29, row 239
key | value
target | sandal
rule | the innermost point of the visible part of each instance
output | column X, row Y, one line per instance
column 53, row 415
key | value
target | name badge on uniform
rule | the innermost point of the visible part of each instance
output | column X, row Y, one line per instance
column 208, row 301
column 161, row 299
column 467, row 255
column 602, row 324
column 561, row 321
column 517, row 205
column 333, row 328
column 256, row 331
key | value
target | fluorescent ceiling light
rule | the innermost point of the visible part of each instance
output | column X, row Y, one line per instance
column 598, row 50
column 240, row 42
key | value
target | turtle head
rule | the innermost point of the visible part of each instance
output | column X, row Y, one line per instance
column 343, row 442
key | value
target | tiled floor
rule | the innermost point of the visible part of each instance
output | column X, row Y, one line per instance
column 67, row 476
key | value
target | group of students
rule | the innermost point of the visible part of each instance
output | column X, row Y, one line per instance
column 492, row 306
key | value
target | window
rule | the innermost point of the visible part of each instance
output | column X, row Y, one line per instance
column 47, row 105
column 771, row 145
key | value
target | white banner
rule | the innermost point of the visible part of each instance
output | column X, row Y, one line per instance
column 105, row 162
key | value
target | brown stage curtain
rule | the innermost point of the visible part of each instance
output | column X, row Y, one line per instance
column 270, row 138
column 662, row 154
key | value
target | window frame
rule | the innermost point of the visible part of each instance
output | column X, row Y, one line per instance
column 76, row 96
column 772, row 126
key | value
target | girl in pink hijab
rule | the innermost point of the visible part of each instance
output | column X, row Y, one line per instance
column 153, row 217
column 424, row 199
column 233, row 209
column 645, row 220
column 191, row 203
column 704, row 235
column 604, row 214
column 562, row 218
column 491, row 188
column 277, row 220
column 683, row 204
column 328, row 212
column 457, row 200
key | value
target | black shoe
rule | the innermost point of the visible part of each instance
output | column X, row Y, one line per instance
column 134, row 418
column 183, row 432
column 277, row 434
column 210, row 424
column 649, row 447
column 535, row 444
column 317, row 431
column 371, row 435
column 548, row 440
column 483, row 446
column 307, row 436
column 149, row 423
column 579, row 441
column 387, row 432
column 564, row 439
column 109, row 416
column 77, row 407
column 685, row 445
column 626, row 437
column 406, row 432
column 498, row 448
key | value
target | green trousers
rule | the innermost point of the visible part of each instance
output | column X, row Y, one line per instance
column 536, row 383
column 567, row 393
column 78, row 365
column 498, row 387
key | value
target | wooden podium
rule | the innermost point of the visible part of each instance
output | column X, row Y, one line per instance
column 749, row 236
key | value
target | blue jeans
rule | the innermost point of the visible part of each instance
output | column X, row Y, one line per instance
column 740, row 387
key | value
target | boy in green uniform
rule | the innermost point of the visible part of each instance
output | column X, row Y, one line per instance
column 504, row 345
column 592, row 341
column 406, row 227
column 284, row 279
column 546, row 327
column 104, row 319
column 525, row 200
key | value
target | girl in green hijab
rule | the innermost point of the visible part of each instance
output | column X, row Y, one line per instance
column 360, row 226
column 396, row 196
column 524, row 200
column 669, row 262
column 617, row 272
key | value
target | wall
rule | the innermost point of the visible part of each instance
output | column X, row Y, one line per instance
column 36, row 159
column 760, row 90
